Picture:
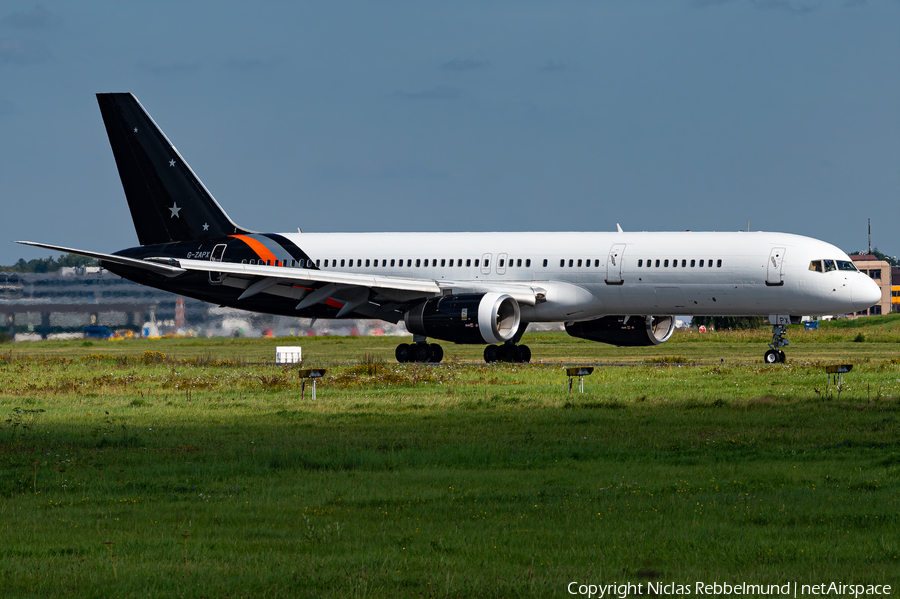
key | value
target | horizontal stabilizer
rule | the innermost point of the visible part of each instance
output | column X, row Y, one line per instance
column 158, row 268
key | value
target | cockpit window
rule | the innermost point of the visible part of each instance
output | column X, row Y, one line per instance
column 816, row 265
column 846, row 265
column 829, row 265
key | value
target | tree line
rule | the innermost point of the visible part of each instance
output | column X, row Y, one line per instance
column 49, row 264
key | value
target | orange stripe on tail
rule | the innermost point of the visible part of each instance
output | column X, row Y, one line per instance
column 261, row 250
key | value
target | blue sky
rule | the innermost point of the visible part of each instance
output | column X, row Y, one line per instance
column 474, row 116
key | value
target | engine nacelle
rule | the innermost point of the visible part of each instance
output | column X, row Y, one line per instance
column 637, row 331
column 466, row 318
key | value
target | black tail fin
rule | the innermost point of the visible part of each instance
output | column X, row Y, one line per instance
column 167, row 201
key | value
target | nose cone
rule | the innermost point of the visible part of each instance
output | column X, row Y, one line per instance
column 864, row 292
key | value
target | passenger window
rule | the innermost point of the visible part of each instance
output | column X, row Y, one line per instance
column 367, row 262
column 562, row 262
column 486, row 263
column 709, row 263
column 829, row 265
column 392, row 262
column 476, row 262
column 444, row 262
column 409, row 262
column 317, row 263
column 701, row 264
column 674, row 263
column 545, row 263
column 451, row 262
column 640, row 263
column 244, row 261
column 570, row 262
column 693, row 263
column 657, row 264
column 501, row 263
column 579, row 262
column 596, row 262
column 666, row 263
column 418, row 262
column 719, row 264
column 519, row 262
column 683, row 263
column 528, row 263
column 469, row 262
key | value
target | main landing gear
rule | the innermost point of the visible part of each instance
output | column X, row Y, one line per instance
column 419, row 351
column 508, row 352
column 432, row 353
column 775, row 355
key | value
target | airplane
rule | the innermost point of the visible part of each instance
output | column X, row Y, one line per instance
column 618, row 288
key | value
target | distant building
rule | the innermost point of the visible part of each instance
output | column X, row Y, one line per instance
column 68, row 300
column 895, row 289
column 880, row 271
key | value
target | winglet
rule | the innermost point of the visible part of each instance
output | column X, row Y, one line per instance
column 619, row 228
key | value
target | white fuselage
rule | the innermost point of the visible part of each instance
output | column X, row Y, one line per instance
column 585, row 275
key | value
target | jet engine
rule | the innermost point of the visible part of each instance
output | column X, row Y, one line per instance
column 466, row 318
column 631, row 331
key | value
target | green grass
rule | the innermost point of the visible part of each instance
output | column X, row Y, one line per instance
column 193, row 470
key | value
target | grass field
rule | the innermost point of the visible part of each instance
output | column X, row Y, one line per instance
column 184, row 467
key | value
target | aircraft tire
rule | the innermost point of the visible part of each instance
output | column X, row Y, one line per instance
column 403, row 353
column 491, row 354
column 524, row 354
column 422, row 352
column 509, row 353
column 781, row 356
column 437, row 353
column 771, row 357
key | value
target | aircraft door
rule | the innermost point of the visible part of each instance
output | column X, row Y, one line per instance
column 486, row 264
column 501, row 264
column 775, row 268
column 216, row 256
column 614, row 264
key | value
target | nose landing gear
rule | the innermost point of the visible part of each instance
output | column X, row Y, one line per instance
column 775, row 355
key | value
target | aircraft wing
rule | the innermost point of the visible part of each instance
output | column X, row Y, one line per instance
column 268, row 279
column 374, row 295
